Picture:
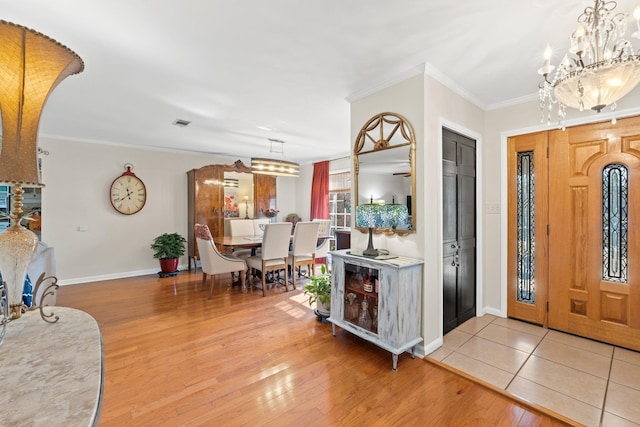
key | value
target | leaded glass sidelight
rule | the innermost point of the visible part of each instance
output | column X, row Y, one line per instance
column 526, row 251
column 615, row 184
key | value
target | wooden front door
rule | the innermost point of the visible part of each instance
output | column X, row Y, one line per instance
column 594, row 241
column 527, row 218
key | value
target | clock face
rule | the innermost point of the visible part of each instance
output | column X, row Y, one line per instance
column 128, row 194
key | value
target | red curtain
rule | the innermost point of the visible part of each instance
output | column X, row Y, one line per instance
column 320, row 191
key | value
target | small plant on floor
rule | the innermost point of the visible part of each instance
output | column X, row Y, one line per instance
column 319, row 290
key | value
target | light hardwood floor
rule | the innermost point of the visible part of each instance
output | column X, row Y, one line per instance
column 175, row 358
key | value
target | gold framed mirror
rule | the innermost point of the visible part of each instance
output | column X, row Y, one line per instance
column 384, row 167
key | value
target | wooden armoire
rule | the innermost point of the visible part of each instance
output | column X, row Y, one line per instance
column 205, row 202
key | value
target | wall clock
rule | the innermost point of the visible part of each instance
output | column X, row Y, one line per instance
column 128, row 193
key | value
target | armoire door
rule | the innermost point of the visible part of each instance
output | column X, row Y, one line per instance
column 527, row 219
column 459, row 229
column 594, row 218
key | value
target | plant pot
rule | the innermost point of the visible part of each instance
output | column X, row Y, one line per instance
column 323, row 309
column 169, row 265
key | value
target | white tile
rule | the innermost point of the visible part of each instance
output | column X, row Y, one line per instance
column 611, row 420
column 579, row 342
column 475, row 324
column 557, row 402
column 628, row 356
column 562, row 379
column 492, row 353
column 478, row 369
column 583, row 360
column 510, row 337
column 625, row 373
column 455, row 339
column 440, row 353
column 525, row 327
column 623, row 402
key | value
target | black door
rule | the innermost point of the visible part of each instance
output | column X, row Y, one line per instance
column 459, row 229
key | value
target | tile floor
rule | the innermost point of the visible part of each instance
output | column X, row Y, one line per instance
column 590, row 382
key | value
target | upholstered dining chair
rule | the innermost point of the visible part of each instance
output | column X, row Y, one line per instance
column 323, row 248
column 241, row 227
column 213, row 262
column 275, row 250
column 305, row 239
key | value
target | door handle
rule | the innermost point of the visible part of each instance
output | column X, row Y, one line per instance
column 456, row 261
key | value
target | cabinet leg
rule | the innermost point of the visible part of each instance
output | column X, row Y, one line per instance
column 395, row 362
column 413, row 352
column 333, row 327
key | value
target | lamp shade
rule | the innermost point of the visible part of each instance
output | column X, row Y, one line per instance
column 370, row 215
column 394, row 215
column 31, row 66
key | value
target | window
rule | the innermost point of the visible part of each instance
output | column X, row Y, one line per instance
column 614, row 222
column 526, row 251
column 340, row 200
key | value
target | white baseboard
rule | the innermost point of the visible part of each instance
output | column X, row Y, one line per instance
column 122, row 275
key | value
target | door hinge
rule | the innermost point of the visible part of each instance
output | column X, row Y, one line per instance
column 547, row 151
column 547, row 229
column 547, row 306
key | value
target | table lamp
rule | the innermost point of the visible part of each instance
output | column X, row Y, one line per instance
column 31, row 66
column 370, row 216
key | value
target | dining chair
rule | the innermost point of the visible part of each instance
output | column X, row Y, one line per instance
column 322, row 250
column 213, row 262
column 305, row 239
column 241, row 227
column 275, row 250
column 257, row 231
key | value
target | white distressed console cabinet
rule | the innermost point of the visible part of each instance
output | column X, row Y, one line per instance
column 378, row 300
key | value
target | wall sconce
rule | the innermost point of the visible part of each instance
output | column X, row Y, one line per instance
column 370, row 215
column 31, row 66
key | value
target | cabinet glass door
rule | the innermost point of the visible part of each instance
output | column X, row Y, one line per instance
column 361, row 296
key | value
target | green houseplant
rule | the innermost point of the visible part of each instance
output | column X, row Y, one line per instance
column 319, row 291
column 168, row 248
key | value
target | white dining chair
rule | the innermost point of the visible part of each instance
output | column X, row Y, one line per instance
column 305, row 239
column 322, row 249
column 213, row 262
column 275, row 250
column 241, row 227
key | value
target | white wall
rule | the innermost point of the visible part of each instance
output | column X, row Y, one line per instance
column 77, row 177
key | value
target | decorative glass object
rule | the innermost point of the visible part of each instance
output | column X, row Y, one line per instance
column 17, row 247
column 374, row 318
column 364, row 320
column 351, row 308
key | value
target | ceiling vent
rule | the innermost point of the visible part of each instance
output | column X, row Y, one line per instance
column 181, row 123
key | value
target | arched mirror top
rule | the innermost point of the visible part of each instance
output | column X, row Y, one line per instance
column 384, row 166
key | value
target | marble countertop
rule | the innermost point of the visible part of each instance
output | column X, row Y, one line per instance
column 51, row 374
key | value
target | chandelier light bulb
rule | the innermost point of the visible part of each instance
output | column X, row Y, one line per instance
column 636, row 13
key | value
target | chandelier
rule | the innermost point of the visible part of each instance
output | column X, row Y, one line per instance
column 599, row 69
column 274, row 166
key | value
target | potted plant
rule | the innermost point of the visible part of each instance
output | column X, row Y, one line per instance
column 319, row 291
column 168, row 248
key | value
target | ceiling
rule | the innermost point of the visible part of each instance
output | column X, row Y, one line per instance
column 245, row 71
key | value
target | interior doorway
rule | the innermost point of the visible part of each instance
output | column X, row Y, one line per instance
column 459, row 228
